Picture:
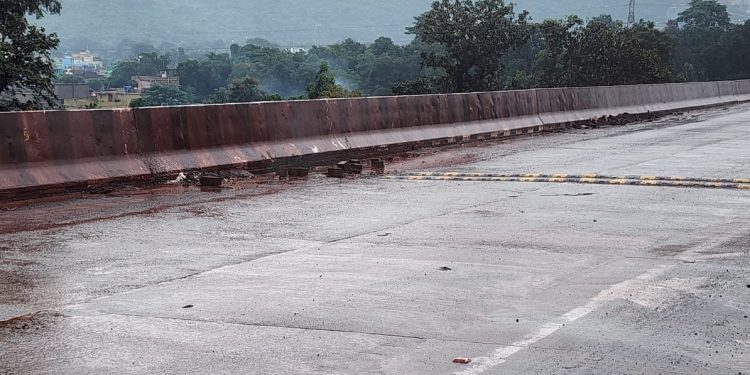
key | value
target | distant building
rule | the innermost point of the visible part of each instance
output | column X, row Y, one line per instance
column 80, row 96
column 145, row 82
column 82, row 62
column 115, row 98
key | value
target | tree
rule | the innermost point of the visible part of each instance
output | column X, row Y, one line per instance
column 603, row 53
column 280, row 71
column 704, row 15
column 25, row 63
column 646, row 55
column 122, row 74
column 555, row 61
column 417, row 86
column 146, row 64
column 243, row 90
column 162, row 95
column 324, row 86
column 384, row 46
column 698, row 35
column 468, row 39
column 204, row 77
column 736, row 53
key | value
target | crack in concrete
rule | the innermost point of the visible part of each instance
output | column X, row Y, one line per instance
column 315, row 329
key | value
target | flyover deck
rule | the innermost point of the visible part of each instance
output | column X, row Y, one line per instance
column 399, row 277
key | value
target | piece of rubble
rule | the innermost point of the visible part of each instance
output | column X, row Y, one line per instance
column 211, row 180
column 180, row 179
column 351, row 166
column 241, row 173
column 377, row 164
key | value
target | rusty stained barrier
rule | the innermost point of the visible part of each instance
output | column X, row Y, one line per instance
column 48, row 151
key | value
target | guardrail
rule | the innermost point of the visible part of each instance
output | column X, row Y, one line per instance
column 49, row 151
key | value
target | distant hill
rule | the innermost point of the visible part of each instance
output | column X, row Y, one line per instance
column 102, row 25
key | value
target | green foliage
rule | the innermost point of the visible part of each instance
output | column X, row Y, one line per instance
column 279, row 71
column 733, row 59
column 97, row 84
column 161, row 95
column 702, row 37
column 460, row 46
column 122, row 74
column 602, row 53
column 324, row 86
column 417, row 86
column 705, row 15
column 205, row 77
column 147, row 64
column 468, row 39
column 243, row 90
column 25, row 64
column 372, row 69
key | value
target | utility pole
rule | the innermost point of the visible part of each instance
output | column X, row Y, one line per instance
column 631, row 14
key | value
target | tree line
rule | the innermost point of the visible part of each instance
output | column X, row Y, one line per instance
column 458, row 46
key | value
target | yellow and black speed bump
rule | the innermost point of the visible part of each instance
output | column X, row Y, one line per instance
column 580, row 179
column 579, row 176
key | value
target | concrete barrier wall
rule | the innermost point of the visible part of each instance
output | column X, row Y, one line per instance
column 73, row 148
column 742, row 90
column 571, row 105
column 61, row 148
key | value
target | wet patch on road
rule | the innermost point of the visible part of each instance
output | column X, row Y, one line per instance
column 671, row 250
column 203, row 211
column 737, row 244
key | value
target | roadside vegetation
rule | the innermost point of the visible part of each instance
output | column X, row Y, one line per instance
column 458, row 46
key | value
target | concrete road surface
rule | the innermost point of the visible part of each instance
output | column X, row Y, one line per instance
column 374, row 276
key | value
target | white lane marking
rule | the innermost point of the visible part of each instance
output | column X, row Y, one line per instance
column 623, row 290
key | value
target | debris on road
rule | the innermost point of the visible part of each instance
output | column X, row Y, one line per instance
column 355, row 168
column 241, row 173
column 445, row 269
column 462, row 361
column 211, row 180
column 335, row 172
column 351, row 166
column 188, row 307
column 384, row 235
column 180, row 179
column 377, row 165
